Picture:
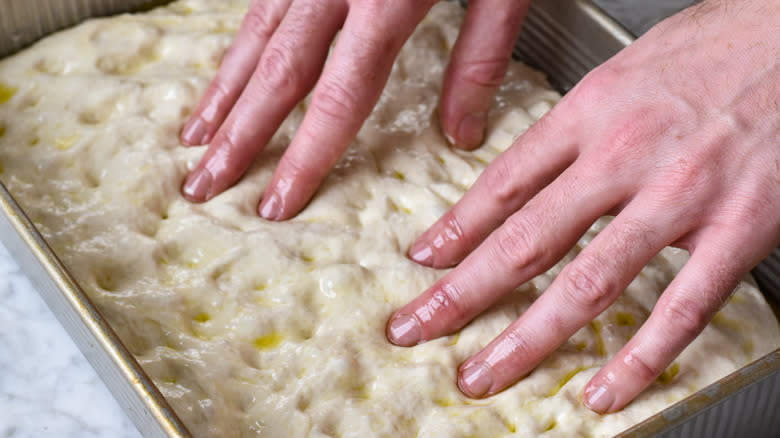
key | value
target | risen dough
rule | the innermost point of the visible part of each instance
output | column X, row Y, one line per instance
column 277, row 329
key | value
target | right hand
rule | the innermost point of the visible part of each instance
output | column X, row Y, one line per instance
column 678, row 137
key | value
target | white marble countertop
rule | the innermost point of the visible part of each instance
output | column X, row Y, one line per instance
column 47, row 388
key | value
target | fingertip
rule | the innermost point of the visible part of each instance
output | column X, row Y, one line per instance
column 198, row 187
column 291, row 188
column 404, row 330
column 599, row 398
column 467, row 133
column 443, row 245
column 195, row 132
column 421, row 253
column 448, row 121
column 475, row 380
column 278, row 207
column 270, row 207
column 471, row 131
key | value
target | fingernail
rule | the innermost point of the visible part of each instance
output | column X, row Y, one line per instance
column 197, row 188
column 471, row 130
column 421, row 253
column 195, row 132
column 599, row 399
column 271, row 207
column 404, row 330
column 476, row 380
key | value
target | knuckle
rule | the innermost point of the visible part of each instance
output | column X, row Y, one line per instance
column 333, row 101
column 221, row 97
column 220, row 87
column 624, row 143
column 483, row 72
column 369, row 46
column 517, row 341
column 385, row 5
column 385, row 8
column 593, row 88
column 742, row 211
column 233, row 156
column 632, row 233
column 449, row 230
column 227, row 142
column 447, row 300
column 687, row 174
column 627, row 135
column 500, row 182
column 293, row 167
column 640, row 367
column 217, row 101
column 506, row 21
column 306, row 15
column 515, row 246
column 685, row 315
column 586, row 284
column 681, row 179
column 277, row 69
column 376, row 6
column 259, row 21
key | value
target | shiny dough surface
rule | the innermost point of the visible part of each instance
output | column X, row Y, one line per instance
column 252, row 328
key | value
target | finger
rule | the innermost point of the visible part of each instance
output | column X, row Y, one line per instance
column 260, row 22
column 477, row 67
column 583, row 289
column 527, row 244
column 286, row 71
column 506, row 185
column 344, row 96
column 682, row 312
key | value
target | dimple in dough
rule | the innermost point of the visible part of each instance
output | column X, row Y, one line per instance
column 251, row 328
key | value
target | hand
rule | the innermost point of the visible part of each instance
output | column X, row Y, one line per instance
column 679, row 137
column 279, row 54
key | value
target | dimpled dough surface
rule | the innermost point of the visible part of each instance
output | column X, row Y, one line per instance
column 277, row 329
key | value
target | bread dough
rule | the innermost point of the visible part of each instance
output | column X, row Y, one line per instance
column 277, row 329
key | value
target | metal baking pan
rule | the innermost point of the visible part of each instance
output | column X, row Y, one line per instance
column 565, row 39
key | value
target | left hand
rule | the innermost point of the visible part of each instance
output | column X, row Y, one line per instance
column 679, row 137
column 279, row 56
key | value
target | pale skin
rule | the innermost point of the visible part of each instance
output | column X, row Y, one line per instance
column 678, row 137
